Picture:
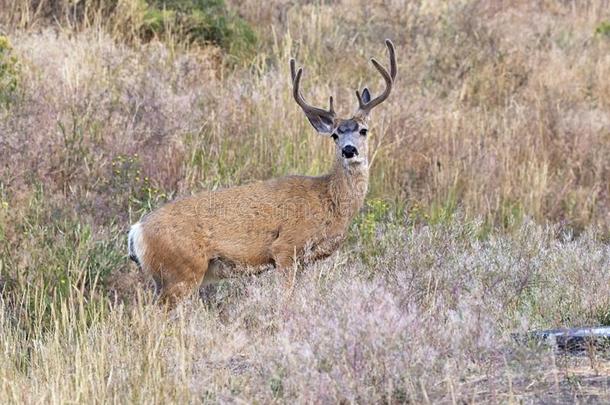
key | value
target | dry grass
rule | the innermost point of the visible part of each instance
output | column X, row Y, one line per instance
column 430, row 318
column 489, row 209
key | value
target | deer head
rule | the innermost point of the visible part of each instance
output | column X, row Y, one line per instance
column 349, row 135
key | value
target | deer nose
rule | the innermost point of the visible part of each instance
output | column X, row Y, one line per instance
column 349, row 151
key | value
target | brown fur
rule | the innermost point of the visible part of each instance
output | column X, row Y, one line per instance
column 270, row 222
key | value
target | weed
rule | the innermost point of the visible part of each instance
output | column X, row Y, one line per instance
column 9, row 72
column 202, row 21
column 603, row 28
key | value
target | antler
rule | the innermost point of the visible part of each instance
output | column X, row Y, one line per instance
column 388, row 77
column 308, row 109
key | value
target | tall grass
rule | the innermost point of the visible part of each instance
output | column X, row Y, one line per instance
column 488, row 211
column 509, row 120
column 431, row 319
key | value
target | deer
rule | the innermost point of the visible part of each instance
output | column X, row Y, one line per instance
column 276, row 223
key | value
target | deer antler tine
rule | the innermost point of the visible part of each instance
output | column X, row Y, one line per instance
column 296, row 91
column 392, row 52
column 292, row 68
column 360, row 103
column 382, row 70
column 387, row 77
column 331, row 109
column 296, row 82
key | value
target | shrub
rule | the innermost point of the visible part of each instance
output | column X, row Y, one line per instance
column 183, row 21
column 9, row 72
column 603, row 29
column 200, row 21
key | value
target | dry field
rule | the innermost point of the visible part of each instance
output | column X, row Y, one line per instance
column 488, row 213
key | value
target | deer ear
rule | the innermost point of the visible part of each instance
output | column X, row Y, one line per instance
column 323, row 125
column 366, row 95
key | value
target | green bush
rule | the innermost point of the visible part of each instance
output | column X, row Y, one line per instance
column 603, row 29
column 200, row 21
column 371, row 228
column 9, row 72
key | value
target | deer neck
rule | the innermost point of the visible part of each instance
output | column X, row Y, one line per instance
column 347, row 188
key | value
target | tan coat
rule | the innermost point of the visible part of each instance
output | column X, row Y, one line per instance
column 271, row 222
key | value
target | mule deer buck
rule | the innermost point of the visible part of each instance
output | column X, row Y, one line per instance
column 273, row 222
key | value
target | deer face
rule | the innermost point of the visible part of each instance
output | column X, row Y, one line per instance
column 350, row 135
column 350, row 138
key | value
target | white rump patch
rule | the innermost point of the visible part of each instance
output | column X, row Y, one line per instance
column 135, row 244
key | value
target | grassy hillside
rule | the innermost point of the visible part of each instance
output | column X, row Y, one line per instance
column 488, row 212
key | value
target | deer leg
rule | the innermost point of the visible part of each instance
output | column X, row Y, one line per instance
column 174, row 289
column 172, row 294
column 283, row 261
column 283, row 255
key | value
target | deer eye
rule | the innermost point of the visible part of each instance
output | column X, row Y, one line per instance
column 335, row 136
column 363, row 131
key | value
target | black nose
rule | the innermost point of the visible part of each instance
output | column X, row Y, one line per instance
column 349, row 151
